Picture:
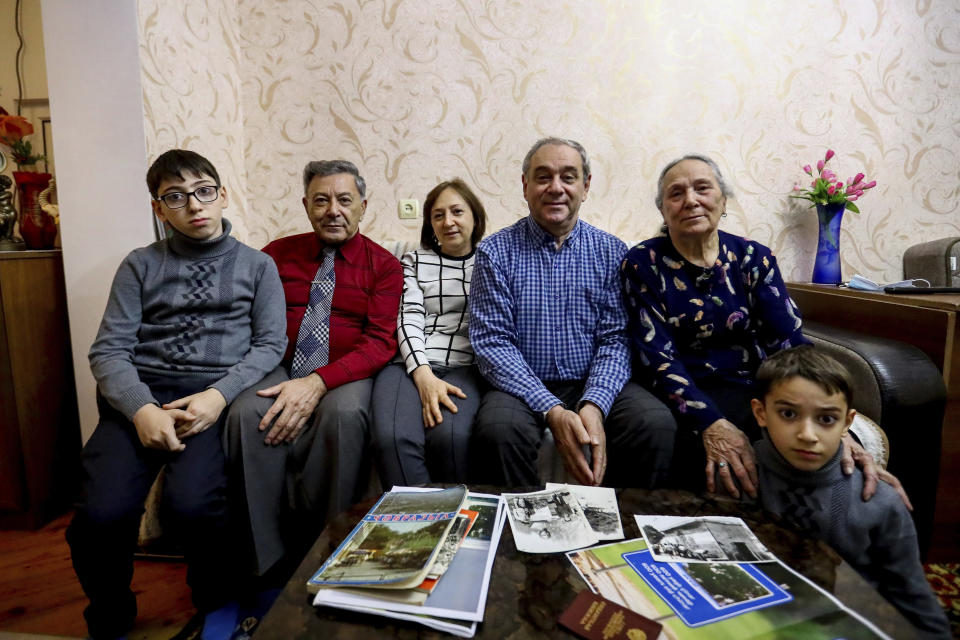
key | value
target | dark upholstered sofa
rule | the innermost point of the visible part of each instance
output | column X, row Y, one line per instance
column 896, row 386
column 899, row 387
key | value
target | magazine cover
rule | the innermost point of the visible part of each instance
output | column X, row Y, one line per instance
column 451, row 545
column 395, row 544
column 462, row 592
column 755, row 602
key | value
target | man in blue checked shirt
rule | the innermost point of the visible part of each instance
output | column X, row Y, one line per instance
column 547, row 325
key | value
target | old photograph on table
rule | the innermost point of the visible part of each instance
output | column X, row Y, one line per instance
column 600, row 507
column 548, row 521
column 487, row 508
column 701, row 539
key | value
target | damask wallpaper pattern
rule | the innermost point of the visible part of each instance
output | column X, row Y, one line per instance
column 416, row 91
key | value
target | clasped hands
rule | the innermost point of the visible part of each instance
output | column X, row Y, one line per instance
column 730, row 456
column 573, row 429
column 168, row 426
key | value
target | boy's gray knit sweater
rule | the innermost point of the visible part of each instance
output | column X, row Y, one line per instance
column 212, row 309
column 877, row 537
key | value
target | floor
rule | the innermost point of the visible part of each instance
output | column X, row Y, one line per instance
column 39, row 593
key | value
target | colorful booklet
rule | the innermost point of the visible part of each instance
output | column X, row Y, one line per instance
column 718, row 600
column 395, row 544
column 451, row 545
column 458, row 600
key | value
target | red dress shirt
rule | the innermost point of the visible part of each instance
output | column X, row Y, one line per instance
column 366, row 299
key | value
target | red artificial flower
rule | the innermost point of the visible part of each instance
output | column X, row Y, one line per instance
column 13, row 128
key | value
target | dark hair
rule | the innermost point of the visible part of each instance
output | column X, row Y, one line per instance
column 428, row 240
column 176, row 162
column 805, row 362
column 324, row 168
column 573, row 144
column 724, row 187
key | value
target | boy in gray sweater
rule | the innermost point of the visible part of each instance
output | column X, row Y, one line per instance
column 803, row 405
column 191, row 321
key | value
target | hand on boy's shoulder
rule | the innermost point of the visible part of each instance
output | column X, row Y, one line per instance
column 156, row 427
column 854, row 454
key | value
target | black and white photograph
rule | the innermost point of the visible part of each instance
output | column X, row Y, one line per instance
column 702, row 539
column 548, row 521
column 483, row 527
column 600, row 507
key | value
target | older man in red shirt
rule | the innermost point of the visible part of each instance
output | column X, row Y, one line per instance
column 298, row 440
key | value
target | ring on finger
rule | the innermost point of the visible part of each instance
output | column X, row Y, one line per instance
column 721, row 464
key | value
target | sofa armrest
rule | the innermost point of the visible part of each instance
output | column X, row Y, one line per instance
column 899, row 387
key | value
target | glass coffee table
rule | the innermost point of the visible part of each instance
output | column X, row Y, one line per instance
column 528, row 592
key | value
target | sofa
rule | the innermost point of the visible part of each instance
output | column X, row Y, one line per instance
column 895, row 385
column 901, row 389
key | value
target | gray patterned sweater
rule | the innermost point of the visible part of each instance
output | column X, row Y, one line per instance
column 877, row 538
column 212, row 309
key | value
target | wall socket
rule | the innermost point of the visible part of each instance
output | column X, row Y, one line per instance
column 408, row 209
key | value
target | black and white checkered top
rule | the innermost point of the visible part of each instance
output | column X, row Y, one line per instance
column 434, row 315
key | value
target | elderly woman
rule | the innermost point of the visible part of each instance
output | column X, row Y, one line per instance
column 420, row 434
column 705, row 307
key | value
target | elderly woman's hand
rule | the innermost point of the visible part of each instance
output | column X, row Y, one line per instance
column 854, row 454
column 729, row 454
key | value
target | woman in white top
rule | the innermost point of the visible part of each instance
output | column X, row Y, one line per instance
column 420, row 433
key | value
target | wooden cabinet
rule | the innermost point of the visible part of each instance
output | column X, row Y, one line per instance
column 931, row 323
column 39, row 429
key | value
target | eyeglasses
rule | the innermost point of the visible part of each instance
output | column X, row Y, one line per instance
column 178, row 200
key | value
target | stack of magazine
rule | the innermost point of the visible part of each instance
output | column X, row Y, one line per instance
column 419, row 554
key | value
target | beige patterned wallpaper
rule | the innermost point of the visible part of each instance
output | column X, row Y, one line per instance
column 415, row 91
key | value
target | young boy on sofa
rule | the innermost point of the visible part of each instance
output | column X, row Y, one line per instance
column 191, row 321
column 803, row 405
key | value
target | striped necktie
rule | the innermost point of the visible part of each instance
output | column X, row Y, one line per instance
column 313, row 339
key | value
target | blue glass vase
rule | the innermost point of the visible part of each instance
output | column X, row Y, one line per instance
column 826, row 267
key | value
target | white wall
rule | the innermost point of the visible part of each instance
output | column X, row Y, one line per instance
column 93, row 76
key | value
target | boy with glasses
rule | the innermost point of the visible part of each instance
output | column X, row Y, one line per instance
column 191, row 321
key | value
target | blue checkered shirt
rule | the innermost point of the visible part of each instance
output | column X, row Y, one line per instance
column 539, row 314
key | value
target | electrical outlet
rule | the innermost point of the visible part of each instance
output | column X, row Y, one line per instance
column 408, row 209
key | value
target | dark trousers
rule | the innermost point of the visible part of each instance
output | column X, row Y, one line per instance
column 507, row 435
column 288, row 491
column 117, row 474
column 406, row 452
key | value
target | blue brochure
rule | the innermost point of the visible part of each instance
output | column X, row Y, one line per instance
column 704, row 592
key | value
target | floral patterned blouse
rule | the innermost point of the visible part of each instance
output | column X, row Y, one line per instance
column 689, row 324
